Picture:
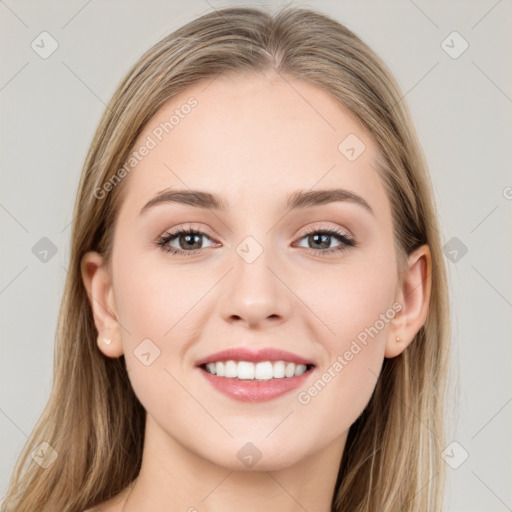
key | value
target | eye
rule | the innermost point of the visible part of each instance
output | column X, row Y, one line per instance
column 318, row 241
column 322, row 238
column 189, row 239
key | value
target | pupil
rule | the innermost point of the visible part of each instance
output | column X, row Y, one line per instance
column 324, row 240
column 188, row 243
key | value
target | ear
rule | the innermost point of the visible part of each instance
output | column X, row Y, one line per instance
column 414, row 296
column 98, row 284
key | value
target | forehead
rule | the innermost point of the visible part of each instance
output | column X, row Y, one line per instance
column 252, row 137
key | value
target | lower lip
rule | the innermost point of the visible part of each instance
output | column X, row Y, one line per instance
column 255, row 390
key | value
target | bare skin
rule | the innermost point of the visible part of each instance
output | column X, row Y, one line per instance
column 251, row 140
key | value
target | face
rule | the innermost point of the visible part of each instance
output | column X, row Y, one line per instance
column 317, row 280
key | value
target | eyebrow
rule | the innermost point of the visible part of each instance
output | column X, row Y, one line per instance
column 296, row 200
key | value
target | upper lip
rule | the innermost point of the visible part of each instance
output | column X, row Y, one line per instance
column 254, row 356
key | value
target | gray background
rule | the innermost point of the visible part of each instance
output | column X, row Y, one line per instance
column 462, row 108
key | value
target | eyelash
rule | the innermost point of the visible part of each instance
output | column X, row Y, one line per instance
column 347, row 241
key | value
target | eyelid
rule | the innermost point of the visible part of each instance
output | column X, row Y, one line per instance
column 192, row 226
column 324, row 227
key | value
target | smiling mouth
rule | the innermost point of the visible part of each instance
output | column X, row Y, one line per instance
column 260, row 371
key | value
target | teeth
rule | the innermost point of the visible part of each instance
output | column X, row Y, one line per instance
column 289, row 371
column 300, row 369
column 231, row 369
column 245, row 370
column 279, row 367
column 219, row 369
column 264, row 370
column 213, row 369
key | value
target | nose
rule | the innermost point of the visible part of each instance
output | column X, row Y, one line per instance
column 255, row 293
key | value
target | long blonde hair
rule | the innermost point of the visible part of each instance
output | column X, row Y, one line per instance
column 93, row 420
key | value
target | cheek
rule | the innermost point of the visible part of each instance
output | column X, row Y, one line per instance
column 355, row 302
column 156, row 306
column 351, row 297
column 154, row 298
column 335, row 399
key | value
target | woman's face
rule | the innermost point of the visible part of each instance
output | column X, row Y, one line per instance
column 261, row 275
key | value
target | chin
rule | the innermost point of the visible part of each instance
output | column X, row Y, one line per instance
column 257, row 455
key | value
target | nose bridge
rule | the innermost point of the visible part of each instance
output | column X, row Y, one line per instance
column 253, row 292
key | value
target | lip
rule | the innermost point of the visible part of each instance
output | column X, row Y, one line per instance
column 246, row 390
column 255, row 390
column 254, row 356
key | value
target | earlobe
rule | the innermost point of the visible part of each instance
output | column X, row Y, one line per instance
column 111, row 346
column 98, row 284
column 414, row 295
